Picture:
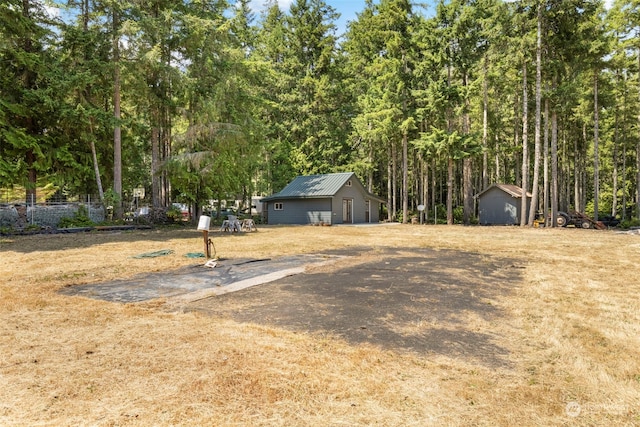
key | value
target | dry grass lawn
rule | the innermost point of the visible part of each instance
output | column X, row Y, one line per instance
column 571, row 326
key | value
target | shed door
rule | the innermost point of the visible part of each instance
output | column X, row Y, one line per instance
column 367, row 206
column 347, row 211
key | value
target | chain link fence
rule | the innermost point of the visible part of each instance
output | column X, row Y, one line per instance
column 48, row 214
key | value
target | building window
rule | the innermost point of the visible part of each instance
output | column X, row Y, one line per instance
column 277, row 206
column 349, row 183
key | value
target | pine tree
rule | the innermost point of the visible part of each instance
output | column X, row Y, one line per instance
column 385, row 58
column 26, row 108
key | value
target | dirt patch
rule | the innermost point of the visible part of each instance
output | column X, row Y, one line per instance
column 418, row 300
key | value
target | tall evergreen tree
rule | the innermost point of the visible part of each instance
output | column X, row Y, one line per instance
column 387, row 107
column 312, row 102
column 270, row 51
column 27, row 108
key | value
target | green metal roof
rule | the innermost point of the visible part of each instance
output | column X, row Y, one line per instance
column 314, row 187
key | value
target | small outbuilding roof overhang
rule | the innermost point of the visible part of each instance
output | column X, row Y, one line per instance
column 512, row 190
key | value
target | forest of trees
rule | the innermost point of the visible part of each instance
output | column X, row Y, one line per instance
column 429, row 103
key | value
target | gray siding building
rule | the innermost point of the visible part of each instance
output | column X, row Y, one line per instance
column 336, row 198
column 501, row 204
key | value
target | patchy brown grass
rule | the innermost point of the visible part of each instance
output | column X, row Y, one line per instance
column 572, row 328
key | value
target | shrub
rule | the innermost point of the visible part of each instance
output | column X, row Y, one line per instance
column 6, row 230
column 174, row 214
column 628, row 223
column 79, row 219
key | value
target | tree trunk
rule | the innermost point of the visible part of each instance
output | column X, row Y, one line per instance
column 96, row 169
column 390, row 213
column 525, row 147
column 165, row 146
column 624, row 155
column 433, row 191
column 577, row 199
column 596, row 160
column 96, row 166
column 92, row 142
column 370, row 171
column 638, row 179
column 467, row 167
column 33, row 178
column 498, row 176
column 117, row 138
column 554, row 164
column 405, row 178
column 516, row 142
column 563, row 173
column 28, row 83
column 638, row 162
column 467, row 189
column 624, row 175
column 425, row 190
column 485, row 127
column 614, row 201
column 156, row 194
column 536, row 157
column 449, row 191
column 394, row 180
column 545, row 179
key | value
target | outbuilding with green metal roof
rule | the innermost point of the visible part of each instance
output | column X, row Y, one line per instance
column 335, row 198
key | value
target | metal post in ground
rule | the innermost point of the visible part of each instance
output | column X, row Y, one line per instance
column 203, row 225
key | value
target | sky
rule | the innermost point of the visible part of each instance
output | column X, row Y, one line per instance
column 346, row 8
column 349, row 8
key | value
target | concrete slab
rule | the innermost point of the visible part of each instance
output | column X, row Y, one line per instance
column 196, row 282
